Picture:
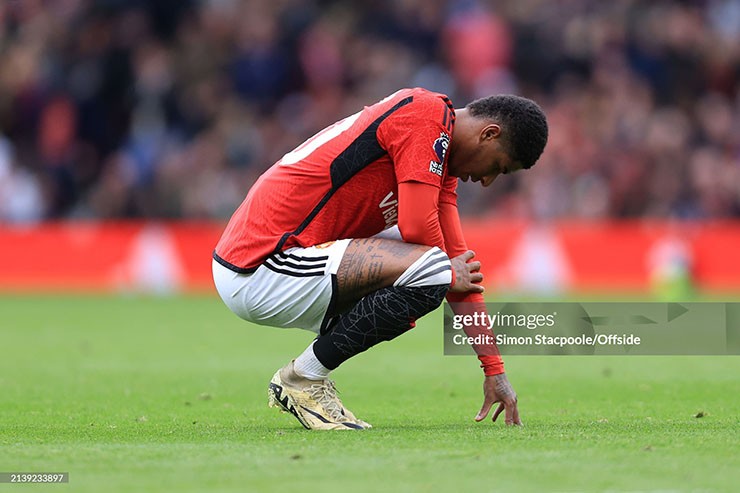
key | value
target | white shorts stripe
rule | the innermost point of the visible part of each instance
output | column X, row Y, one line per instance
column 292, row 271
column 283, row 255
column 295, row 265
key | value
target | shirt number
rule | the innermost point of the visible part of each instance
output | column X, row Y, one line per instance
column 304, row 150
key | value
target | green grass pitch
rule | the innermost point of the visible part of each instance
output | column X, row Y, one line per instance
column 169, row 394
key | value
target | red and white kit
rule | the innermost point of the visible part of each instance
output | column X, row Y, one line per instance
column 381, row 167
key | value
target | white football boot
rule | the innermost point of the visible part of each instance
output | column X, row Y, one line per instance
column 314, row 403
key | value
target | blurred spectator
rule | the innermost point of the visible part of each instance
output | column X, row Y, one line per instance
column 172, row 108
column 21, row 198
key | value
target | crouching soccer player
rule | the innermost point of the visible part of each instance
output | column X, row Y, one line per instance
column 355, row 234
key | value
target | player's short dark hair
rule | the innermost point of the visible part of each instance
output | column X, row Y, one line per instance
column 523, row 123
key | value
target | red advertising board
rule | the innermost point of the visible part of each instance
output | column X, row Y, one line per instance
column 517, row 256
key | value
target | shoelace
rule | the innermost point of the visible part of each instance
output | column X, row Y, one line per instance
column 326, row 395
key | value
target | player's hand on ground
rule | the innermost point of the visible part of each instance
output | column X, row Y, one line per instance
column 467, row 274
column 497, row 389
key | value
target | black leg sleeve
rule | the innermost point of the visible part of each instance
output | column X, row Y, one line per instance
column 379, row 316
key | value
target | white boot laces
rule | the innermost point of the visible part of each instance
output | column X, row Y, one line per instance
column 325, row 393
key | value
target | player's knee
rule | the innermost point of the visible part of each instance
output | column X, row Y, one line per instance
column 422, row 299
column 433, row 268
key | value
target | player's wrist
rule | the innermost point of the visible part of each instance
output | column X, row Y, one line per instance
column 492, row 366
column 492, row 372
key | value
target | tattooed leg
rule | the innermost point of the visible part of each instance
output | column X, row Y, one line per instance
column 371, row 264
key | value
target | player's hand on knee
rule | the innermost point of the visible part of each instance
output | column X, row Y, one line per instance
column 467, row 274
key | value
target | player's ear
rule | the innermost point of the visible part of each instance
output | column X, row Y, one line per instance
column 490, row 132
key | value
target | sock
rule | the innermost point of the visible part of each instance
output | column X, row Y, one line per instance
column 307, row 366
column 379, row 316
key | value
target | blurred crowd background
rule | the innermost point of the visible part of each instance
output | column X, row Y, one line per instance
column 172, row 108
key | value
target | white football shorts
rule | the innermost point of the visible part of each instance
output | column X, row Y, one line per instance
column 294, row 288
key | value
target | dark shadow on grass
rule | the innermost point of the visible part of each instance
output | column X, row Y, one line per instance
column 437, row 428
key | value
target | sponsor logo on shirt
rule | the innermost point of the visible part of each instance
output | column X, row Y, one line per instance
column 440, row 148
column 325, row 245
column 389, row 208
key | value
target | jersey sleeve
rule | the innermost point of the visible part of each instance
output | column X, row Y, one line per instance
column 418, row 214
column 448, row 194
column 417, row 138
column 467, row 303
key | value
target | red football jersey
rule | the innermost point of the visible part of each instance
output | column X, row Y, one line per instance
column 343, row 181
